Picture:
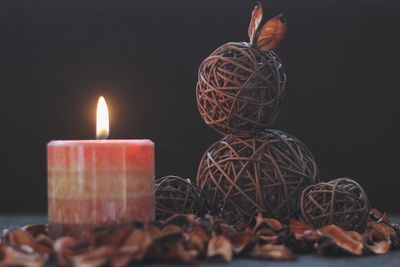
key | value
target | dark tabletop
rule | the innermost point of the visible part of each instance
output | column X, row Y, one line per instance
column 390, row 259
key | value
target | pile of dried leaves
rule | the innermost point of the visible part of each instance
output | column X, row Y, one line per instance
column 187, row 238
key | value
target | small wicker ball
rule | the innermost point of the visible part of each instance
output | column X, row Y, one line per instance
column 241, row 176
column 340, row 201
column 240, row 89
column 175, row 195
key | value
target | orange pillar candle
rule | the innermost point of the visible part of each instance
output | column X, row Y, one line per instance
column 99, row 181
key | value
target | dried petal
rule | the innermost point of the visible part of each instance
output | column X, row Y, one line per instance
column 11, row 256
column 19, row 239
column 94, row 258
column 138, row 244
column 377, row 216
column 36, row 229
column 220, row 248
column 197, row 239
column 273, row 252
column 271, row 34
column 242, row 242
column 63, row 248
column 380, row 231
column 303, row 230
column 270, row 223
column 170, row 234
column 256, row 17
column 348, row 241
column 268, row 235
column 242, row 227
column 44, row 244
column 178, row 253
column 381, row 247
column 223, row 229
column 181, row 220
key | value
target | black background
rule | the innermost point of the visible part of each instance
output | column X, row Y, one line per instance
column 57, row 57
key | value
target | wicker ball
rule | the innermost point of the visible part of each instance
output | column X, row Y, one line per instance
column 175, row 195
column 240, row 176
column 340, row 201
column 240, row 89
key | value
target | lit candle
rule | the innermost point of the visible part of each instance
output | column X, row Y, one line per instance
column 91, row 182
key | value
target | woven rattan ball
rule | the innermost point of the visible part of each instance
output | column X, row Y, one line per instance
column 175, row 195
column 240, row 176
column 240, row 89
column 340, row 201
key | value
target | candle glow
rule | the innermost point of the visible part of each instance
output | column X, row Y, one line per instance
column 102, row 119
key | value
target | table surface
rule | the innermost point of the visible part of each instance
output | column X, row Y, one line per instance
column 387, row 260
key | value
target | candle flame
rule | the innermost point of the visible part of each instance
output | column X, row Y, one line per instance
column 102, row 123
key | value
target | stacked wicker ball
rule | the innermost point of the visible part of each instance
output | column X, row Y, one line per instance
column 239, row 94
column 253, row 168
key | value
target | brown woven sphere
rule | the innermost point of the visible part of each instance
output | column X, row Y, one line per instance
column 175, row 195
column 240, row 176
column 340, row 201
column 240, row 89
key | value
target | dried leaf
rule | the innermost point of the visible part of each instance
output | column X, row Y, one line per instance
column 220, row 248
column 271, row 34
column 273, row 252
column 256, row 17
column 348, row 241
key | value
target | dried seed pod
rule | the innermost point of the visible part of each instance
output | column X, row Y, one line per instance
column 220, row 248
column 341, row 201
column 335, row 238
column 273, row 252
column 175, row 195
